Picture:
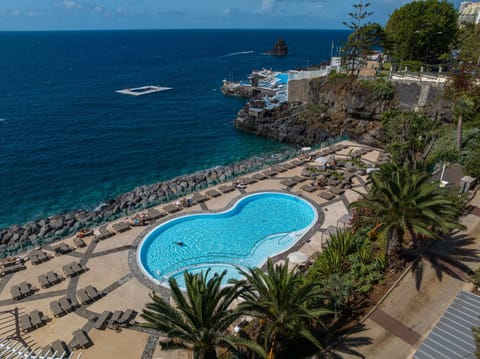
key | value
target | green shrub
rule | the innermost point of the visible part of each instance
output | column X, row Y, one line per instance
column 383, row 90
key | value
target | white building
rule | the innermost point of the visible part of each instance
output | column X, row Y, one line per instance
column 469, row 13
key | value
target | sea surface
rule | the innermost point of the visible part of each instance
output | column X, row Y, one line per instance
column 68, row 141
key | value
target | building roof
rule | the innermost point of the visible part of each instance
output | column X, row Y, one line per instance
column 452, row 337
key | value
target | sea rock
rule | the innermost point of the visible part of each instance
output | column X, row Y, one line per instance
column 280, row 48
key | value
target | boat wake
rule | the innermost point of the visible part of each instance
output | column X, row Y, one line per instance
column 239, row 53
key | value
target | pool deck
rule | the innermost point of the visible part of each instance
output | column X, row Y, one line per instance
column 112, row 270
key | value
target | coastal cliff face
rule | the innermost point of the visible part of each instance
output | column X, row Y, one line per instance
column 321, row 108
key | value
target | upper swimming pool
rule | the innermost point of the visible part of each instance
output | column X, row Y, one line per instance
column 258, row 226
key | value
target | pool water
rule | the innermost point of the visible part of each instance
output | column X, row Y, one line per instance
column 258, row 226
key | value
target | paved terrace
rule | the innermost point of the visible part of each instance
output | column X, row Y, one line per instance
column 112, row 270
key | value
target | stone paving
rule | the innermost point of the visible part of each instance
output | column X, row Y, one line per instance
column 113, row 271
column 407, row 315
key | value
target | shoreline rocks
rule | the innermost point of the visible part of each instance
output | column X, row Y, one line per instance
column 279, row 49
column 17, row 238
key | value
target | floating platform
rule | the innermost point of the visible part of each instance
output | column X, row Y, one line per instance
column 144, row 90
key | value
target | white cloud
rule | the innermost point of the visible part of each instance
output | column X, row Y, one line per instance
column 97, row 8
column 15, row 13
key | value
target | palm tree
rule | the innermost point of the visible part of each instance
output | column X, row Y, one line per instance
column 281, row 301
column 405, row 201
column 464, row 107
column 200, row 317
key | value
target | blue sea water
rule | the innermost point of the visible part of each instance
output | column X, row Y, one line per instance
column 68, row 141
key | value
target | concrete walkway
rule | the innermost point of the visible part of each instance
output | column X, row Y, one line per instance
column 407, row 315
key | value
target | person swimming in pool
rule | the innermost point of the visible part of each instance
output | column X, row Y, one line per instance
column 181, row 244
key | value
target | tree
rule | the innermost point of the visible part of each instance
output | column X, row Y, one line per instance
column 355, row 41
column 410, row 136
column 421, row 30
column 200, row 317
column 404, row 201
column 281, row 300
column 464, row 108
column 469, row 44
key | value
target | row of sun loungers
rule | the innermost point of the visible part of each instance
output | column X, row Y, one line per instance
column 62, row 248
column 73, row 269
column 22, row 290
column 115, row 320
column 61, row 307
column 88, row 295
column 81, row 339
column 11, row 269
column 121, row 227
column 38, row 256
column 102, row 233
column 122, row 319
column 32, row 321
column 49, row 279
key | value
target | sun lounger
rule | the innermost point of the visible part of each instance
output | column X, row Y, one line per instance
column 65, row 304
column 336, row 190
column 53, row 278
column 60, row 349
column 56, row 309
column 326, row 195
column 92, row 292
column 278, row 168
column 37, row 318
column 43, row 280
column 62, row 248
column 270, row 173
column 12, row 269
column 213, row 193
column 121, row 227
column 288, row 182
column 16, row 293
column 199, row 198
column 79, row 242
column 299, row 179
column 83, row 296
column 102, row 320
column 102, row 233
column 81, row 340
column 171, row 208
column 155, row 214
column 113, row 323
column 308, row 188
column 26, row 288
column 126, row 318
column 77, row 268
column 226, row 188
column 26, row 323
column 68, row 270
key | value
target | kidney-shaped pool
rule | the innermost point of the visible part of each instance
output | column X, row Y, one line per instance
column 258, row 226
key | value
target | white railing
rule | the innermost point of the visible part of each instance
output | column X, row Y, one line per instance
column 300, row 75
column 13, row 349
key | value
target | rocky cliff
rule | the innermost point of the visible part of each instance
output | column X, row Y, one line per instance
column 334, row 108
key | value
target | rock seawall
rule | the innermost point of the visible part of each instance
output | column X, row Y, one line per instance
column 17, row 238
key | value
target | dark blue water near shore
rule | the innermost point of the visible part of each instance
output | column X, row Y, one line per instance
column 68, row 141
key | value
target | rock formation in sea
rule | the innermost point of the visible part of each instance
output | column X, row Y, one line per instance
column 280, row 48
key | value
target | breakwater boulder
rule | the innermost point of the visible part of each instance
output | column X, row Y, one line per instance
column 280, row 48
column 17, row 238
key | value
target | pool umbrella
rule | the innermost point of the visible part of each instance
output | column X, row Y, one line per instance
column 297, row 257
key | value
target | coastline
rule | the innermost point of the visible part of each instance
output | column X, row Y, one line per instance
column 35, row 233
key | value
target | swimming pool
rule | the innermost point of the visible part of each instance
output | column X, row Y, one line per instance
column 258, row 226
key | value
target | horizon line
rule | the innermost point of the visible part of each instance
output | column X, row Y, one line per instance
column 173, row 29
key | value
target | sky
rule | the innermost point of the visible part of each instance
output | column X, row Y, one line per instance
column 185, row 14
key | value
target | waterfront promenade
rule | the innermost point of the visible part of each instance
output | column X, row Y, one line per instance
column 111, row 267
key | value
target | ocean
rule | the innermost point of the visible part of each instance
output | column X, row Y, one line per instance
column 68, row 141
